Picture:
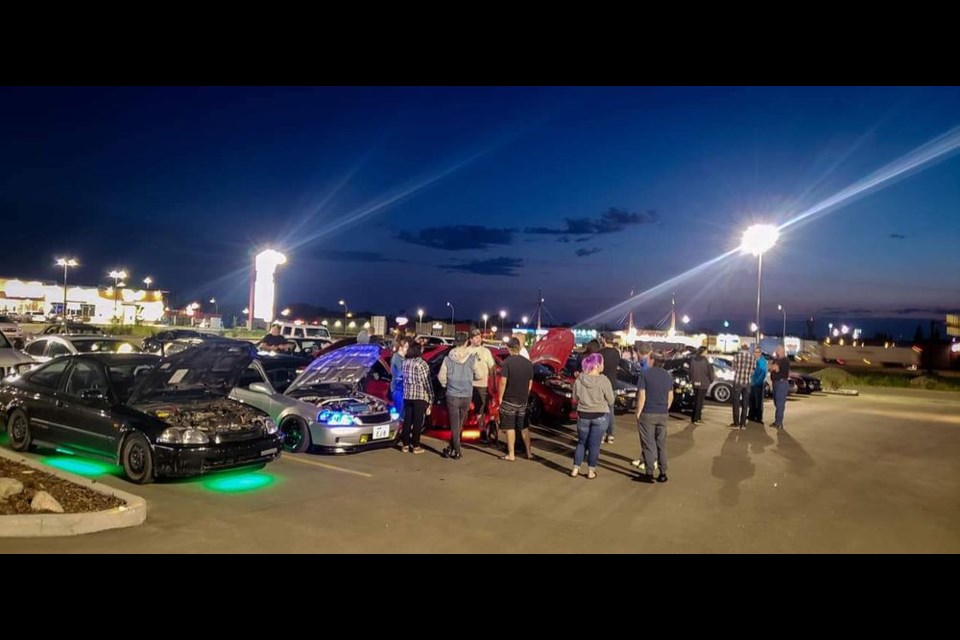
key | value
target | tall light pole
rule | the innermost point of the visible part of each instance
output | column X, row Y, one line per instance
column 485, row 318
column 524, row 320
column 757, row 239
column 420, row 321
column 452, row 316
column 343, row 303
column 66, row 263
column 503, row 316
column 117, row 275
column 784, row 312
column 216, row 306
column 148, row 281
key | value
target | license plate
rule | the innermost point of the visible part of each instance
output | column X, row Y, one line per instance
column 381, row 431
column 267, row 452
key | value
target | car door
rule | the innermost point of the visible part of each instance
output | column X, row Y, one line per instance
column 44, row 389
column 83, row 409
column 254, row 373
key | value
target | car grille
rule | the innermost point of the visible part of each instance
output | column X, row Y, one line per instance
column 377, row 418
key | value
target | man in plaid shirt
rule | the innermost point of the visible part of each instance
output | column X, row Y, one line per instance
column 743, row 366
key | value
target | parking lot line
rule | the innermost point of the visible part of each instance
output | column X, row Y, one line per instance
column 296, row 458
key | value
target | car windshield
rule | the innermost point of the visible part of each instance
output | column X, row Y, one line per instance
column 125, row 376
column 106, row 346
column 6, row 320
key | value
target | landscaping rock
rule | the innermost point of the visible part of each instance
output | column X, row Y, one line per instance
column 43, row 501
column 9, row 487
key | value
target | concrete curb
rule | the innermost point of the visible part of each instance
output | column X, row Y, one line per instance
column 72, row 524
column 841, row 392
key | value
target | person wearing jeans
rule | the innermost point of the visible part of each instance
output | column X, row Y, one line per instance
column 743, row 366
column 654, row 397
column 780, row 374
column 593, row 394
column 417, row 398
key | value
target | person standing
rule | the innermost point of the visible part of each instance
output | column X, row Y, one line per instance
column 396, row 372
column 483, row 366
column 516, row 378
column 594, row 395
column 757, row 381
column 701, row 375
column 456, row 376
column 611, row 362
column 273, row 341
column 780, row 374
column 743, row 366
column 654, row 397
column 417, row 398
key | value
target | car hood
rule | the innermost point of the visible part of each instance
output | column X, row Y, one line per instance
column 553, row 349
column 214, row 367
column 346, row 365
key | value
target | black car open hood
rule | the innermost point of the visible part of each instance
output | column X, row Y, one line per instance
column 214, row 366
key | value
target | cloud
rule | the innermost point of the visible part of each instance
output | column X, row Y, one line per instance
column 898, row 236
column 586, row 252
column 612, row 220
column 354, row 256
column 458, row 237
column 501, row 266
column 582, row 240
column 564, row 239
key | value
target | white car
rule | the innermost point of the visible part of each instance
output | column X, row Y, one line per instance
column 12, row 361
column 10, row 328
column 300, row 330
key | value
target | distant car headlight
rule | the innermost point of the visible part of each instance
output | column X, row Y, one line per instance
column 621, row 392
column 173, row 435
column 270, row 426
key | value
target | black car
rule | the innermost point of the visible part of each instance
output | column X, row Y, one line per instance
column 684, row 396
column 169, row 417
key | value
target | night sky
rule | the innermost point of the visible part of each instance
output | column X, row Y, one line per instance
column 395, row 198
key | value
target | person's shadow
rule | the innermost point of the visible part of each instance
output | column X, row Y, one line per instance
column 680, row 442
column 798, row 460
column 733, row 466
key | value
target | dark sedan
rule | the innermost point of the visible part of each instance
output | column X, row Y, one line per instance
column 167, row 418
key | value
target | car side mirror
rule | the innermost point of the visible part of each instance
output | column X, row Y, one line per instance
column 259, row 387
column 93, row 394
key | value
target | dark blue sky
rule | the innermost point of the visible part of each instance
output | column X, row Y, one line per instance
column 399, row 197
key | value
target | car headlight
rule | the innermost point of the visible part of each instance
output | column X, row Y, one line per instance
column 621, row 392
column 178, row 435
column 270, row 426
column 337, row 418
column 394, row 414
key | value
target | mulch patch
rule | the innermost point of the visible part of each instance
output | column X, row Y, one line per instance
column 72, row 497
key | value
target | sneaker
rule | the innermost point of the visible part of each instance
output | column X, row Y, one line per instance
column 447, row 452
column 662, row 477
column 604, row 440
column 456, row 455
column 419, row 450
column 640, row 465
column 733, row 425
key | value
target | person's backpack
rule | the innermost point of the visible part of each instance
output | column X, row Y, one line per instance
column 460, row 377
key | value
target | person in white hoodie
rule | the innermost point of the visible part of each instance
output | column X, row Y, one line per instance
column 593, row 394
column 456, row 376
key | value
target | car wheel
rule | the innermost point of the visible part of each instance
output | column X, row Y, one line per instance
column 137, row 459
column 296, row 435
column 722, row 393
column 534, row 409
column 18, row 427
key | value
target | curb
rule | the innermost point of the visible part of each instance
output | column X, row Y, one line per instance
column 72, row 524
column 841, row 392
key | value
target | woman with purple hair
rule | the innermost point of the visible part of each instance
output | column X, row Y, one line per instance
column 593, row 394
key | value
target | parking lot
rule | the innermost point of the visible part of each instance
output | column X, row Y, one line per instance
column 875, row 473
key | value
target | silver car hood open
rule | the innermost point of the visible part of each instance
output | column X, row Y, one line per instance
column 347, row 365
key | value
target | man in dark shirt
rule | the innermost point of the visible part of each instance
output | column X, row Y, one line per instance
column 701, row 375
column 516, row 378
column 611, row 360
column 654, row 397
column 273, row 341
column 780, row 374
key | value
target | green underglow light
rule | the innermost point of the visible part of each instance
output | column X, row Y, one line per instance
column 237, row 483
column 81, row 466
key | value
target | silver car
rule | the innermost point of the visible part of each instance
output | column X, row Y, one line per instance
column 49, row 347
column 10, row 328
column 323, row 406
column 12, row 361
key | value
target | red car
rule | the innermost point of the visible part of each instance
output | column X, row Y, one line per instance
column 477, row 427
column 551, row 395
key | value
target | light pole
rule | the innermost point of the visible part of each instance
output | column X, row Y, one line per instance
column 148, row 281
column 524, row 320
column 452, row 316
column 343, row 303
column 503, row 317
column 420, row 321
column 784, row 312
column 216, row 306
column 117, row 275
column 286, row 312
column 485, row 318
column 66, row 263
column 757, row 239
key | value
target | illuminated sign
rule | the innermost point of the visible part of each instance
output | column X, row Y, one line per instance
column 264, row 289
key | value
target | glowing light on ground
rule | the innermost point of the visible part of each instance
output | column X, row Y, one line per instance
column 82, row 466
column 239, row 482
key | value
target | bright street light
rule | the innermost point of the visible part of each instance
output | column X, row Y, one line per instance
column 524, row 320
column 451, row 314
column 148, row 281
column 685, row 319
column 66, row 263
column 117, row 276
column 757, row 239
column 485, row 317
column 346, row 313
column 286, row 312
column 420, row 316
column 753, row 328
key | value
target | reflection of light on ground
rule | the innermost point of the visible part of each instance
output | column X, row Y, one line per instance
column 82, row 466
column 238, row 483
column 912, row 416
column 921, row 157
